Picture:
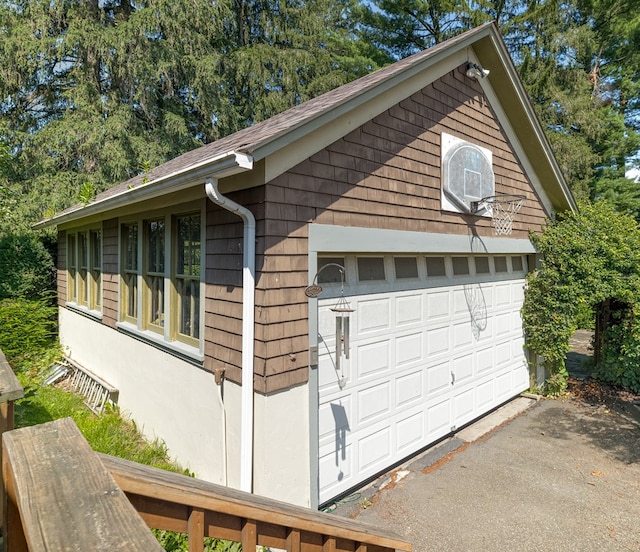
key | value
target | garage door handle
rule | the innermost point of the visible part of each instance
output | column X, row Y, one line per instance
column 453, row 378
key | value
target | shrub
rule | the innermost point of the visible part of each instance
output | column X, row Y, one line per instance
column 27, row 267
column 588, row 257
column 27, row 328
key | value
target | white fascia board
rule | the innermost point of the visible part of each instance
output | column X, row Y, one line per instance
column 540, row 136
column 221, row 166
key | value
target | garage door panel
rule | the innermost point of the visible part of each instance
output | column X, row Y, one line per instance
column 373, row 360
column 503, row 324
column 516, row 322
column 484, row 360
column 438, row 418
column 503, row 354
column 421, row 361
column 409, row 349
column 409, row 310
column 520, row 378
column 462, row 335
column 327, row 375
column 335, row 470
column 518, row 350
column 373, row 402
column 438, row 341
column 374, row 449
column 409, row 389
column 334, row 419
column 463, row 368
column 438, row 304
column 485, row 395
column 373, row 315
column 503, row 385
column 502, row 295
column 517, row 292
column 438, row 378
column 463, row 406
column 410, row 432
column 460, row 302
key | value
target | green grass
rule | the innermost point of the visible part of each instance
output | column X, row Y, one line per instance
column 31, row 350
column 109, row 433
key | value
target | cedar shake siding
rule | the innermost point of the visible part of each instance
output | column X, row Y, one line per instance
column 110, row 272
column 385, row 174
column 61, row 273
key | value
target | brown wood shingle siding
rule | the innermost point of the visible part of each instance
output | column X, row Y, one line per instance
column 385, row 174
column 223, row 292
column 110, row 272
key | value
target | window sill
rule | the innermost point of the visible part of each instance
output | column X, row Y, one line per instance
column 175, row 348
column 85, row 311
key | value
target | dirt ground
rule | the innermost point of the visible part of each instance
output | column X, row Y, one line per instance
column 584, row 389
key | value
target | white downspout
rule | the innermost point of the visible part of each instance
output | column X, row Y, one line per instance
column 248, row 309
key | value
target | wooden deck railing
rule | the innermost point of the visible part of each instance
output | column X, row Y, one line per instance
column 61, row 495
column 10, row 391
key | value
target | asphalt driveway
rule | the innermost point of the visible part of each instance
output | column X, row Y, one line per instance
column 564, row 475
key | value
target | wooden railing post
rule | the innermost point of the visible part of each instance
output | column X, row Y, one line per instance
column 196, row 530
column 10, row 391
column 293, row 540
column 249, row 535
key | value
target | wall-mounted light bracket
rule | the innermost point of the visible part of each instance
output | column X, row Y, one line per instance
column 475, row 71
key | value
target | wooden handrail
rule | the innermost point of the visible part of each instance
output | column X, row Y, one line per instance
column 176, row 502
column 61, row 495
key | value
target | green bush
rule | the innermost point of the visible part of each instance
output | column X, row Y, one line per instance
column 27, row 329
column 27, row 266
column 588, row 258
column 619, row 361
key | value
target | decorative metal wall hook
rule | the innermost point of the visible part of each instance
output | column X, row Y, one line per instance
column 342, row 310
column 314, row 289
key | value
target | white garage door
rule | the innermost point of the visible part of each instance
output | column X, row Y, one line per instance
column 434, row 343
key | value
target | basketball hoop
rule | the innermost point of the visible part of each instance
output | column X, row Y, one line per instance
column 503, row 208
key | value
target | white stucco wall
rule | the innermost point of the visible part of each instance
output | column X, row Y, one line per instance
column 178, row 402
column 281, row 446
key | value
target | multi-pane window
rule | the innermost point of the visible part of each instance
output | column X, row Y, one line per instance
column 84, row 268
column 129, row 290
column 187, row 276
column 161, row 276
column 95, row 264
column 154, row 275
column 72, row 268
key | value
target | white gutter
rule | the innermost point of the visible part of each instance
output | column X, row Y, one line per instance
column 222, row 165
column 248, row 310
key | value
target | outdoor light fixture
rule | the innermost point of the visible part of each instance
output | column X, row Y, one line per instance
column 475, row 71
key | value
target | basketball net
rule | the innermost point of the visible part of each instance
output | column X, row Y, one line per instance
column 503, row 211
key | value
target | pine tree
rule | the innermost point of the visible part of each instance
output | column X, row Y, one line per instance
column 93, row 92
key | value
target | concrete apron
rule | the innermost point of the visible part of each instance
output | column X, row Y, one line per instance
column 351, row 505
